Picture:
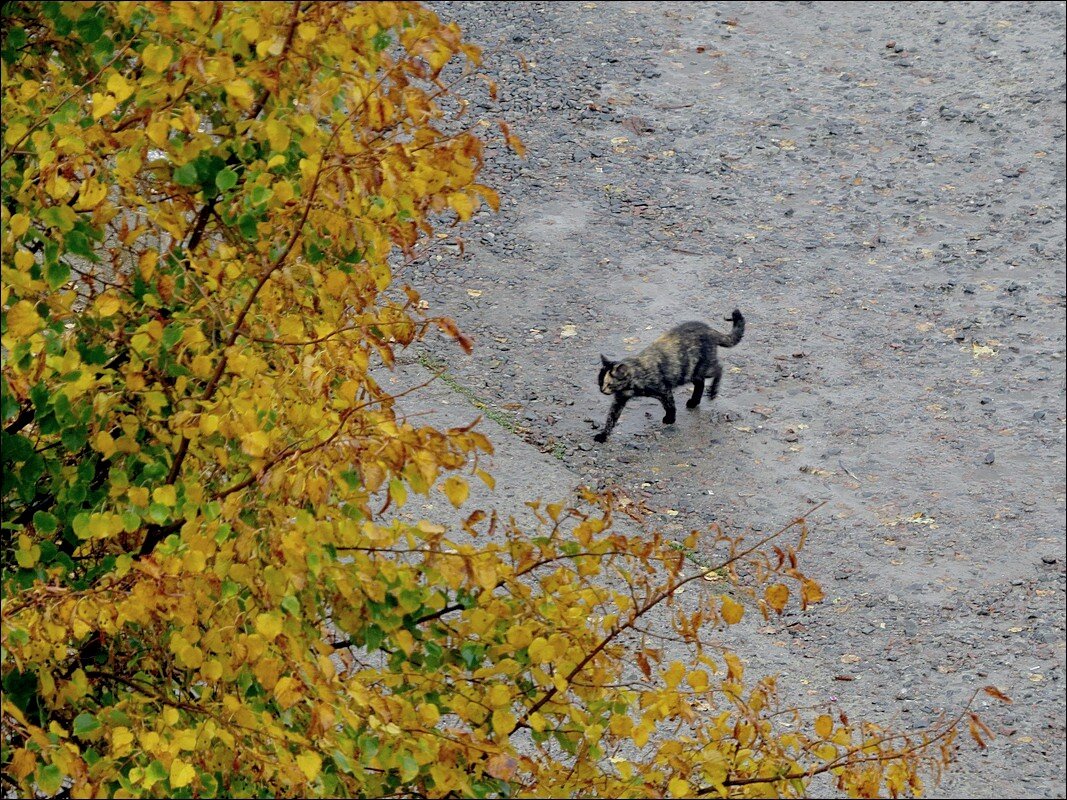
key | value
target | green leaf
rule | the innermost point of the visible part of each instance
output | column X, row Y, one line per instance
column 247, row 225
column 45, row 523
column 382, row 40
column 78, row 243
column 343, row 763
column 409, row 767
column 49, row 778
column 85, row 724
column 172, row 334
column 226, row 179
column 89, row 27
column 373, row 638
column 291, row 605
column 185, row 175
column 261, row 194
column 16, row 448
column 156, row 772
column 74, row 439
column 80, row 525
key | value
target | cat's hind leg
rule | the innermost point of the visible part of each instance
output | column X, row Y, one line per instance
column 698, row 392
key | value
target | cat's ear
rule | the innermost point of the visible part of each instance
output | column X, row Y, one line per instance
column 604, row 360
column 620, row 370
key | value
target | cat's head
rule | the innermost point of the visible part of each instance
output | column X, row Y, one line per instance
column 615, row 376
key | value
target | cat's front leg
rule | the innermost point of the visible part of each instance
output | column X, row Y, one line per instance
column 668, row 407
column 617, row 405
column 698, row 392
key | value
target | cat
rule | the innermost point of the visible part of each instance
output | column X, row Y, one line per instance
column 685, row 354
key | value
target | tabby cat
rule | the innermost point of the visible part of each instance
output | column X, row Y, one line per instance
column 685, row 354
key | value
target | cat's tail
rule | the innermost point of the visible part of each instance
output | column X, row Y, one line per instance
column 732, row 338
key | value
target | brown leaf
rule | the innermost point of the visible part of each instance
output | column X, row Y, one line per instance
column 501, row 766
column 642, row 663
column 976, row 734
column 993, row 691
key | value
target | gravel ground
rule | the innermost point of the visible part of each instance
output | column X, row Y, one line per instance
column 880, row 189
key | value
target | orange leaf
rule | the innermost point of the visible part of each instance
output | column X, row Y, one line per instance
column 732, row 611
column 777, row 596
column 824, row 726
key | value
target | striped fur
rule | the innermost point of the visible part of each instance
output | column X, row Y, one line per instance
column 685, row 354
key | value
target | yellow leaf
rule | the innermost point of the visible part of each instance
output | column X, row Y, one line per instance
column 499, row 695
column 777, row 596
column 827, row 752
column 18, row 225
column 119, row 86
column 250, row 29
column 90, row 195
column 255, row 443
column 107, row 304
column 678, row 787
column 698, row 679
column 824, row 726
column 24, row 260
column 269, row 625
column 732, row 611
column 810, row 592
column 181, row 774
column 103, row 104
column 104, row 443
column 503, row 722
column 22, row 319
column 165, row 495
column 456, row 490
column 287, row 691
column 674, row 674
column 540, row 651
column 240, row 91
column 462, row 205
column 22, row 763
column 278, row 134
column 310, row 764
column 121, row 741
column 156, row 57
column 487, row 479
column 127, row 164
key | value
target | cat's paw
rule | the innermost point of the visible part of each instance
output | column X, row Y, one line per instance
column 669, row 419
column 736, row 316
column 601, row 437
column 692, row 403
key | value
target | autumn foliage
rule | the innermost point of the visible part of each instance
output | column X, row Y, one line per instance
column 205, row 590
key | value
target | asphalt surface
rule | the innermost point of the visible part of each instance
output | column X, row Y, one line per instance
column 880, row 189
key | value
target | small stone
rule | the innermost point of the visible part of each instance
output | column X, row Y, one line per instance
column 988, row 459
